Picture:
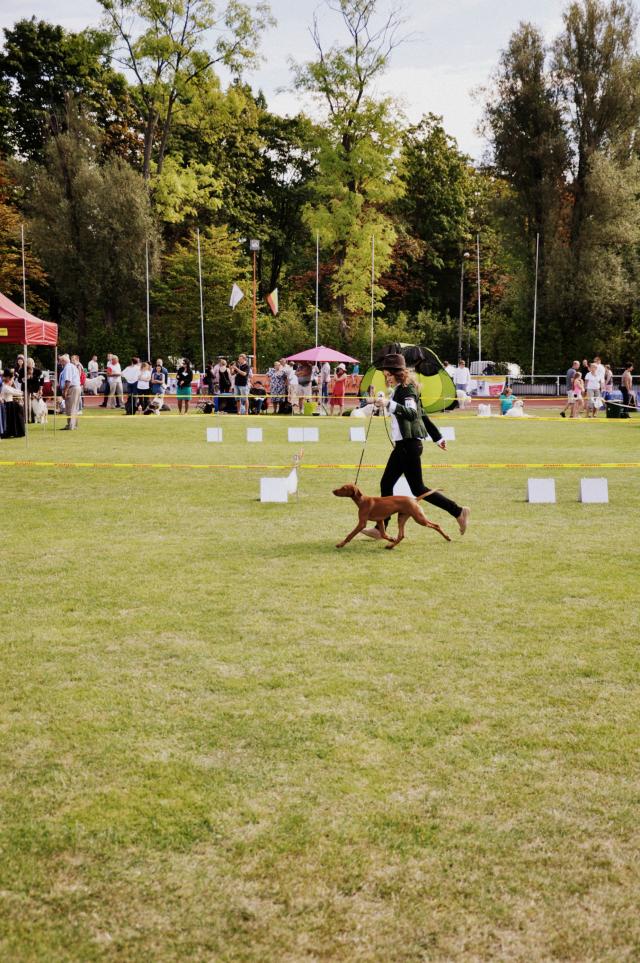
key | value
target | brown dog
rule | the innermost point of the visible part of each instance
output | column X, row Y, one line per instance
column 372, row 509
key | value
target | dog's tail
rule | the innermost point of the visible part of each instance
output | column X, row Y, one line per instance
column 430, row 491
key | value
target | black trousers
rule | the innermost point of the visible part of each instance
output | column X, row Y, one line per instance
column 626, row 400
column 405, row 460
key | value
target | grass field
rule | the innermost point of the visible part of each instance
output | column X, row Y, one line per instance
column 223, row 739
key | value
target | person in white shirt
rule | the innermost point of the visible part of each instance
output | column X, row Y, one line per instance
column 600, row 372
column 462, row 380
column 325, row 378
column 449, row 368
column 131, row 374
column 71, row 391
column 114, row 374
column 144, row 386
column 593, row 384
column 93, row 366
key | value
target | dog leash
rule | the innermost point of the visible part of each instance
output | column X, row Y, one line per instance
column 364, row 447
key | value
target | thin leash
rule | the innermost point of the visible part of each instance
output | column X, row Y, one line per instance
column 366, row 438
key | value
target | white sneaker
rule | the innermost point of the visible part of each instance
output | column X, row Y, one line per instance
column 463, row 520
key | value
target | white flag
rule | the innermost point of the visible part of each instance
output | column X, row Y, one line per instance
column 236, row 296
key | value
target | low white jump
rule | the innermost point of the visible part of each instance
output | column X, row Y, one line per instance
column 303, row 434
column 279, row 489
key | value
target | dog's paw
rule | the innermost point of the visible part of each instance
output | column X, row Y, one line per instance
column 340, row 545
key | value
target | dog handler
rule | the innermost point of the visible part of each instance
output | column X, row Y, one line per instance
column 407, row 431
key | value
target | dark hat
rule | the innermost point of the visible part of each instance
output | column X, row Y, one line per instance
column 391, row 362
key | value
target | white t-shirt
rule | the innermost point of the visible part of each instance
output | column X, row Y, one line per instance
column 592, row 382
column 450, row 370
column 600, row 372
column 462, row 377
column 144, row 380
column 131, row 373
column 116, row 370
column 92, row 368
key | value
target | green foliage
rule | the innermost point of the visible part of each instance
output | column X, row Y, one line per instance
column 41, row 68
column 11, row 250
column 90, row 221
column 356, row 159
column 165, row 47
column 176, row 298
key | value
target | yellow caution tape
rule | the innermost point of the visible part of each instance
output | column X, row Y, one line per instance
column 22, row 463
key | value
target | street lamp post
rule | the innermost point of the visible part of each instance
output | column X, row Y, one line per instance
column 465, row 256
column 254, row 247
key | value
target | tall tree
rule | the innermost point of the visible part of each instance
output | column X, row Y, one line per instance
column 41, row 67
column 432, row 219
column 163, row 46
column 90, row 222
column 599, row 74
column 11, row 220
column 356, row 153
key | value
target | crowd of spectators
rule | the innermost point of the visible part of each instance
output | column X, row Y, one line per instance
column 231, row 387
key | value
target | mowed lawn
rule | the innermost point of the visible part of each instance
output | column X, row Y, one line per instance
column 222, row 739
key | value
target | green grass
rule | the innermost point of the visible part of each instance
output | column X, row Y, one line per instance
column 223, row 739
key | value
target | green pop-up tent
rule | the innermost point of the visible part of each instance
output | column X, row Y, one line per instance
column 437, row 391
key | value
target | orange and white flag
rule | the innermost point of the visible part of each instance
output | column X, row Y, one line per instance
column 272, row 301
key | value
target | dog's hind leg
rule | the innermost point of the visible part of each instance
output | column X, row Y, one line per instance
column 402, row 521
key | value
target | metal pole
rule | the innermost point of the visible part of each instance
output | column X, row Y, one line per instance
column 254, row 326
column 148, row 316
column 26, row 357
column 201, row 300
column 535, row 308
column 317, row 280
column 373, row 259
column 479, row 306
column 24, row 276
column 461, row 308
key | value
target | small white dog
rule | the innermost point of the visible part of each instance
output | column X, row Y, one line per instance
column 518, row 410
column 39, row 410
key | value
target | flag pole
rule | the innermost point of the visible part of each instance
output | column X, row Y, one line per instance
column 479, row 307
column 317, row 279
column 535, row 307
column 254, row 320
column 201, row 301
column 24, row 370
column 146, row 246
column 373, row 256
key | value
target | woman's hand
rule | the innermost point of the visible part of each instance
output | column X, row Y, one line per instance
column 381, row 402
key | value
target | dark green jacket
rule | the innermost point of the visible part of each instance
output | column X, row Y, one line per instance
column 406, row 406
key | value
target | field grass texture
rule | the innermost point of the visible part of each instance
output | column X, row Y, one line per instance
column 223, row 739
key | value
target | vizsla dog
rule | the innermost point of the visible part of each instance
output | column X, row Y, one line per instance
column 372, row 509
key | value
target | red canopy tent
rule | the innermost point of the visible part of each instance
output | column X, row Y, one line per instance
column 17, row 326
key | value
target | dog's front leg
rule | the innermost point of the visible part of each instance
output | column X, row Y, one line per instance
column 402, row 521
column 359, row 527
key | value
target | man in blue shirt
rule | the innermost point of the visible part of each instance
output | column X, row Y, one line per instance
column 570, row 375
column 71, row 391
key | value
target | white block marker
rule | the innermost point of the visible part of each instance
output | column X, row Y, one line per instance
column 541, row 491
column 594, row 491
column 214, row 434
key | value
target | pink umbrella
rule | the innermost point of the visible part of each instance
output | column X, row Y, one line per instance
column 321, row 354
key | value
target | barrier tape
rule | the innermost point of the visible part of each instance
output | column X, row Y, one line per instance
column 208, row 467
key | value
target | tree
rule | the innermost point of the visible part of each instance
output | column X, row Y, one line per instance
column 356, row 154
column 42, row 66
column 11, row 249
column 599, row 75
column 525, row 125
column 90, row 222
column 167, row 57
column 176, row 296
column 432, row 219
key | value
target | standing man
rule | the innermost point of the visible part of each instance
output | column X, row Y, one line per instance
column 462, row 380
column 70, row 390
column 114, row 372
column 165, row 373
column 451, row 371
column 131, row 375
column 569, row 379
column 626, row 387
column 93, row 368
column 241, row 384
column 325, row 378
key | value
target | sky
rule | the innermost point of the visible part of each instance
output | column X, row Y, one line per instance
column 451, row 53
